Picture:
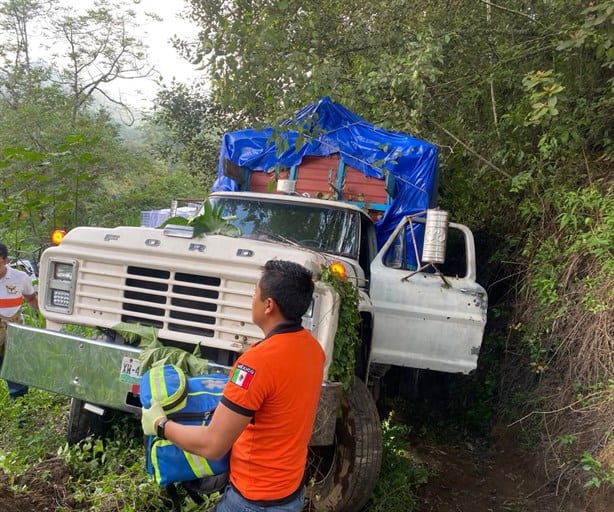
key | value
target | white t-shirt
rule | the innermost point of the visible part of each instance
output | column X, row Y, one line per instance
column 13, row 286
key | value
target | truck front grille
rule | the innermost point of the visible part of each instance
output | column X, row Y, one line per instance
column 186, row 306
column 182, row 302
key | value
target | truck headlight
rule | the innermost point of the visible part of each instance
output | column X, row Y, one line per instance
column 63, row 271
column 61, row 287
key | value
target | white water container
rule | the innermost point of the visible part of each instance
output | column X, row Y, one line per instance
column 435, row 235
column 286, row 186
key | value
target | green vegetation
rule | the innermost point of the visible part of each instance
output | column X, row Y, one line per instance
column 62, row 156
column 98, row 474
column 108, row 474
column 347, row 336
column 401, row 473
column 598, row 473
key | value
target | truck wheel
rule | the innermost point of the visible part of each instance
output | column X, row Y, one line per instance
column 82, row 423
column 341, row 477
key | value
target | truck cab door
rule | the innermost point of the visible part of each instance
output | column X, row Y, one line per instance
column 423, row 318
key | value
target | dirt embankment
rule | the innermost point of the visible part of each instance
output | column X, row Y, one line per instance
column 494, row 475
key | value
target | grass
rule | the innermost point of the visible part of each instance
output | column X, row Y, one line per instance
column 100, row 475
column 108, row 474
column 400, row 475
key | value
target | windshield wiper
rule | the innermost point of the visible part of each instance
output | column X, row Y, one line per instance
column 276, row 236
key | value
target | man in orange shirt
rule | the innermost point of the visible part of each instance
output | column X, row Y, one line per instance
column 269, row 405
column 15, row 286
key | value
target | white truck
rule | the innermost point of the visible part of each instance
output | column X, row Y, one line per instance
column 196, row 291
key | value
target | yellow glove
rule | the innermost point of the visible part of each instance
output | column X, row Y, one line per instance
column 150, row 417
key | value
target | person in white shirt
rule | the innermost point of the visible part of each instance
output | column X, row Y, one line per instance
column 15, row 287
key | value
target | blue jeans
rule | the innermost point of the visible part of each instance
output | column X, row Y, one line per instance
column 232, row 501
column 15, row 390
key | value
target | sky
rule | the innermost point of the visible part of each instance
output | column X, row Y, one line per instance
column 162, row 55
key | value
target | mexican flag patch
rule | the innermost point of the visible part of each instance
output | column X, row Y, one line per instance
column 242, row 376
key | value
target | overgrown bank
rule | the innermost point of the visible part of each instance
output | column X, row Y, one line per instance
column 557, row 381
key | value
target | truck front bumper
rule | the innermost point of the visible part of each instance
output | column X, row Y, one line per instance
column 107, row 374
column 101, row 373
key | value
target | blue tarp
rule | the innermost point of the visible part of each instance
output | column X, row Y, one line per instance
column 327, row 128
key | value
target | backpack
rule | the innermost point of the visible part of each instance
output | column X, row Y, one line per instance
column 190, row 401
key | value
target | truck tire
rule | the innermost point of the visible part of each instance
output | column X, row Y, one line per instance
column 82, row 423
column 341, row 477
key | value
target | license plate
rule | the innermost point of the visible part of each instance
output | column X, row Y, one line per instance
column 130, row 370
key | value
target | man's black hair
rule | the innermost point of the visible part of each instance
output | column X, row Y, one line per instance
column 290, row 285
column 4, row 251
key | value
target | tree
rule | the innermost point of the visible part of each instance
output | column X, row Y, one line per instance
column 79, row 180
column 154, row 192
column 194, row 126
column 51, row 134
column 96, row 48
column 266, row 59
column 17, row 71
column 87, row 50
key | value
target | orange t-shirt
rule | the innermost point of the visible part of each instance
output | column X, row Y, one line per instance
column 277, row 382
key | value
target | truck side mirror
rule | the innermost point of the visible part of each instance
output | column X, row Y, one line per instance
column 435, row 236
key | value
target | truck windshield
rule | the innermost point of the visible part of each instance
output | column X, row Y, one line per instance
column 331, row 230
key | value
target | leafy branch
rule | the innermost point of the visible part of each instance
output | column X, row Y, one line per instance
column 211, row 221
column 154, row 353
column 347, row 336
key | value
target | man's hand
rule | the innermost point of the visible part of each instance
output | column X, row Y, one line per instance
column 151, row 417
